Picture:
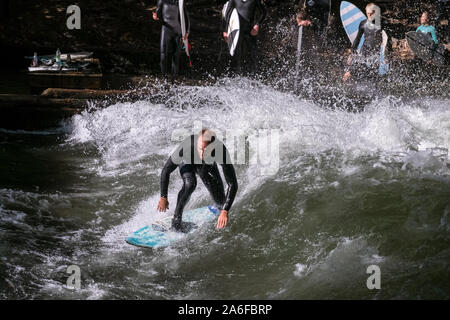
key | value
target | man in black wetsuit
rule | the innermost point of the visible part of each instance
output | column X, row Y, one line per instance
column 200, row 154
column 171, row 38
column 368, row 59
column 249, row 29
column 318, row 11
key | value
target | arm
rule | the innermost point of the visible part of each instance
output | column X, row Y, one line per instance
column 433, row 35
column 159, row 9
column 232, row 185
column 263, row 12
column 226, row 19
column 188, row 22
column 169, row 167
column 358, row 36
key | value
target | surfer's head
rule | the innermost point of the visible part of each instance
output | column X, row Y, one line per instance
column 373, row 12
column 424, row 18
column 205, row 137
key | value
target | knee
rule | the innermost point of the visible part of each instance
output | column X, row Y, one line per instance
column 190, row 184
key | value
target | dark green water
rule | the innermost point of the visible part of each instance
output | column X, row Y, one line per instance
column 342, row 192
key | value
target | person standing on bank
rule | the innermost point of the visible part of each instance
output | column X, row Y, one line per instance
column 249, row 29
column 168, row 12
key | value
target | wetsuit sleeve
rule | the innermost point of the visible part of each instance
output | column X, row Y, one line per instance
column 433, row 35
column 169, row 167
column 358, row 36
column 263, row 12
column 230, row 178
column 188, row 21
column 159, row 9
column 226, row 20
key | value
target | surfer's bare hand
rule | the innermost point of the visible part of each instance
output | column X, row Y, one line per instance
column 346, row 76
column 255, row 30
column 225, row 36
column 185, row 36
column 163, row 204
column 349, row 60
column 223, row 219
column 155, row 16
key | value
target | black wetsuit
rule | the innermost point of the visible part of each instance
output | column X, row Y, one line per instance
column 318, row 11
column 246, row 10
column 169, row 14
column 368, row 60
column 207, row 169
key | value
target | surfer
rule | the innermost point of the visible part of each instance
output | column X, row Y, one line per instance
column 171, row 38
column 249, row 29
column 425, row 27
column 200, row 154
column 301, row 46
column 318, row 12
column 368, row 58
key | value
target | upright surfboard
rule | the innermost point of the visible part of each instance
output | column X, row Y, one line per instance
column 158, row 234
column 423, row 47
column 351, row 18
column 299, row 53
column 183, row 25
column 233, row 29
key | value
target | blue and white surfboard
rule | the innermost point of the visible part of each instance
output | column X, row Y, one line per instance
column 351, row 18
column 158, row 234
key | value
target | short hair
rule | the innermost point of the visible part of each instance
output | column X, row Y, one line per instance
column 211, row 135
column 301, row 15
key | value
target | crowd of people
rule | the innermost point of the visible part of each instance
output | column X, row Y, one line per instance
column 314, row 16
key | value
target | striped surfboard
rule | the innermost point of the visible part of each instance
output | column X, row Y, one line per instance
column 351, row 17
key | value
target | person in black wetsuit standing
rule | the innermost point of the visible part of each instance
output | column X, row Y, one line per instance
column 249, row 29
column 171, row 38
column 367, row 61
column 200, row 154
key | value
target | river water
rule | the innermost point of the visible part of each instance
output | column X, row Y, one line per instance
column 342, row 191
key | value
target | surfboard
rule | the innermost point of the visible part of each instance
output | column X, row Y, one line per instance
column 232, row 29
column 423, row 47
column 73, row 56
column 158, row 234
column 384, row 67
column 183, row 25
column 299, row 52
column 351, row 17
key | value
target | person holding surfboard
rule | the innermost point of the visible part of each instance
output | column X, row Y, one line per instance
column 366, row 58
column 249, row 29
column 168, row 12
column 199, row 155
column 425, row 27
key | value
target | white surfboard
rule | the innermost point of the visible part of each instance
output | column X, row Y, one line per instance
column 183, row 26
column 232, row 29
